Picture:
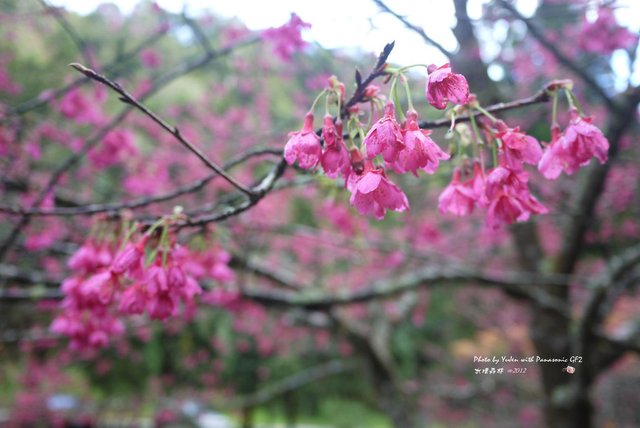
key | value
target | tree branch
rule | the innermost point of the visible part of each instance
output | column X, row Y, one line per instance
column 92, row 141
column 91, row 209
column 512, row 284
column 420, row 31
column 128, row 98
column 542, row 96
column 289, row 384
column 561, row 57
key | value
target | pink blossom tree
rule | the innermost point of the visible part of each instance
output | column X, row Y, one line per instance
column 426, row 223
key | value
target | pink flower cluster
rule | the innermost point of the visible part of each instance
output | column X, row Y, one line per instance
column 287, row 38
column 503, row 191
column 108, row 283
column 605, row 35
column 402, row 147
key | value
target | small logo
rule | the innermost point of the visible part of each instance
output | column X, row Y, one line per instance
column 569, row 369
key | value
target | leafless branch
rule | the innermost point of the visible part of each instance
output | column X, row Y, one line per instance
column 420, row 31
column 128, row 98
column 538, row 34
column 289, row 384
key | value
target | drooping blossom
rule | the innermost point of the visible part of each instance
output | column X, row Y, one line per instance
column 517, row 147
column 335, row 156
column 443, row 86
column 372, row 193
column 574, row 148
column 419, row 152
column 509, row 198
column 605, row 35
column 385, row 136
column 287, row 39
column 304, row 146
column 458, row 198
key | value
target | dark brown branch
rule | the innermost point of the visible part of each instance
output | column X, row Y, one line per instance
column 128, row 98
column 361, row 85
column 69, row 29
column 420, row 31
column 542, row 96
column 260, row 191
column 513, row 285
column 278, row 278
column 91, row 209
column 198, row 33
column 289, row 384
column 538, row 34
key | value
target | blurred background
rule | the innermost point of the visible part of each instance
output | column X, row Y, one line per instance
column 250, row 352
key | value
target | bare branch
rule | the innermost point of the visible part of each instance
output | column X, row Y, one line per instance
column 420, row 31
column 561, row 57
column 91, row 209
column 542, row 96
column 128, row 98
column 92, row 141
column 70, row 30
column 289, row 384
column 514, row 284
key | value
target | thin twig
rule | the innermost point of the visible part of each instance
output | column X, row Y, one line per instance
column 91, row 142
column 91, row 209
column 128, row 98
column 561, row 57
column 414, row 28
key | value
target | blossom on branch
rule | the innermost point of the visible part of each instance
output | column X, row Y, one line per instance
column 419, row 152
column 573, row 149
column 443, row 86
column 385, row 136
column 372, row 193
column 304, row 146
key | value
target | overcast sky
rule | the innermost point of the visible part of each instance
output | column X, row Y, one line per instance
column 358, row 24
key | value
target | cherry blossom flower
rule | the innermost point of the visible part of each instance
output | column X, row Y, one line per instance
column 372, row 193
column 458, row 198
column 335, row 156
column 517, row 147
column 116, row 146
column 443, row 86
column 419, row 152
column 574, row 148
column 304, row 146
column 509, row 198
column 76, row 105
column 385, row 136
